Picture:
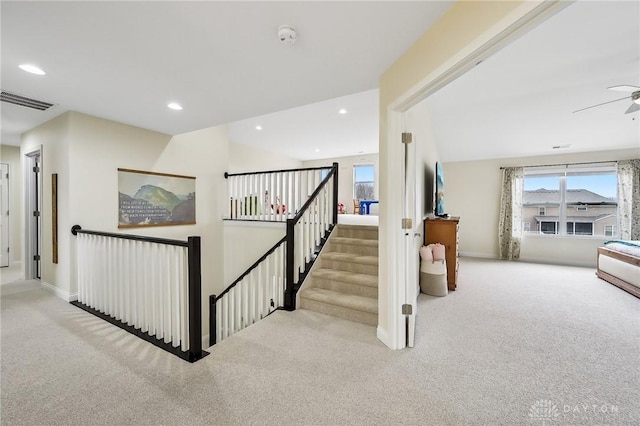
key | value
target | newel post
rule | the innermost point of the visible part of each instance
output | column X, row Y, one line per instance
column 335, row 193
column 195, row 298
column 289, row 294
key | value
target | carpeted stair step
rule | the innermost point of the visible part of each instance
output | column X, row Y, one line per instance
column 361, row 246
column 347, row 306
column 350, row 262
column 345, row 282
column 357, row 231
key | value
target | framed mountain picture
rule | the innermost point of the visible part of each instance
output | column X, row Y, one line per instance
column 155, row 199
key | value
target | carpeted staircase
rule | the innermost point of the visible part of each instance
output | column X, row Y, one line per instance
column 344, row 279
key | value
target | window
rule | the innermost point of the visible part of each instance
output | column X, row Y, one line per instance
column 548, row 227
column 526, row 226
column 609, row 230
column 578, row 228
column 570, row 200
column 363, row 182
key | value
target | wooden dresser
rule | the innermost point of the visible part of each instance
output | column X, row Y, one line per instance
column 445, row 232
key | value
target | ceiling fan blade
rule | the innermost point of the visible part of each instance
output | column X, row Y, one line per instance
column 604, row 103
column 634, row 107
column 624, row 88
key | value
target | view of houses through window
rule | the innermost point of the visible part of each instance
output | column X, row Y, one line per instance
column 363, row 182
column 577, row 201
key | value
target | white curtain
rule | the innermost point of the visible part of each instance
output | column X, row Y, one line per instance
column 629, row 199
column 510, row 226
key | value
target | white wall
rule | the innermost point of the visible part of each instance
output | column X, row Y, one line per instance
column 246, row 242
column 53, row 138
column 86, row 152
column 11, row 155
column 243, row 158
column 464, row 29
column 473, row 193
column 345, row 175
column 418, row 122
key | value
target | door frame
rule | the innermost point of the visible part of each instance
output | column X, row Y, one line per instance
column 6, row 221
column 394, row 265
column 33, row 190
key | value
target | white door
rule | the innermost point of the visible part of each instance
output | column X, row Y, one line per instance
column 33, row 203
column 412, row 238
column 4, row 215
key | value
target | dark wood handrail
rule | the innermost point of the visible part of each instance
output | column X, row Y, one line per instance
column 290, row 290
column 194, row 291
column 75, row 229
column 288, row 239
column 307, row 204
column 226, row 174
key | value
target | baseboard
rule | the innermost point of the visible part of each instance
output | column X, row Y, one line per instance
column 383, row 336
column 478, row 255
column 62, row 294
column 560, row 262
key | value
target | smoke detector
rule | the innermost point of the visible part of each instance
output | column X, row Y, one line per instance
column 287, row 34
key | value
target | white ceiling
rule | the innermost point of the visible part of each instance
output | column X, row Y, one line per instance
column 520, row 101
column 222, row 61
column 316, row 130
column 120, row 62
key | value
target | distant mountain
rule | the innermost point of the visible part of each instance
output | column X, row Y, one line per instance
column 185, row 212
column 158, row 197
column 136, row 211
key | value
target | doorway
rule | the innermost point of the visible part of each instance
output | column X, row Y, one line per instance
column 4, row 215
column 398, row 260
column 33, row 216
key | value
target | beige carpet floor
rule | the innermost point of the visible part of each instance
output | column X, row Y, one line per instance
column 517, row 344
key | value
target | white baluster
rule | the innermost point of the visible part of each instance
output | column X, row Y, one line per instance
column 184, row 300
column 232, row 311
column 238, row 308
column 274, row 274
column 81, row 252
column 165, row 290
column 225, row 316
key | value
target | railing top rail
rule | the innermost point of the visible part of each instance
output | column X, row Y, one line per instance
column 75, row 229
column 315, row 193
column 252, row 267
column 227, row 175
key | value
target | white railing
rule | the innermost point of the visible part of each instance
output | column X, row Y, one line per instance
column 273, row 195
column 254, row 295
column 143, row 285
column 310, row 227
column 272, row 282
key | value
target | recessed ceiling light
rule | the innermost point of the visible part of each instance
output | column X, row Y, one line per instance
column 258, row 127
column 174, row 105
column 32, row 69
column 343, row 111
column 316, row 150
column 561, row 146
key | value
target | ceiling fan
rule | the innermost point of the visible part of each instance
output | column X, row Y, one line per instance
column 635, row 98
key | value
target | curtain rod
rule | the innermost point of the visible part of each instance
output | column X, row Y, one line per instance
column 565, row 164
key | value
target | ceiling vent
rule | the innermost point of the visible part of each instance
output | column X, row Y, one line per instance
column 12, row 98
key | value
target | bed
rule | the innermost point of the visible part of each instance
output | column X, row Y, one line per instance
column 619, row 264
